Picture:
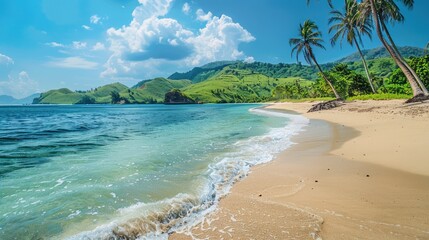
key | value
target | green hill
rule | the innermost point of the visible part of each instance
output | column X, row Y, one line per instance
column 154, row 90
column 237, row 86
column 59, row 96
column 199, row 74
column 151, row 91
column 67, row 96
column 103, row 94
column 379, row 62
column 381, row 52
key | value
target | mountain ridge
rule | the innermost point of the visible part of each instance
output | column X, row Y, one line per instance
column 381, row 52
column 6, row 99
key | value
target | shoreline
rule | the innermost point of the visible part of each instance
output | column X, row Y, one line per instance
column 335, row 183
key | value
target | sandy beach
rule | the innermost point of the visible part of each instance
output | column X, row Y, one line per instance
column 360, row 171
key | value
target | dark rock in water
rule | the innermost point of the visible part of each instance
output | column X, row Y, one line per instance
column 418, row 98
column 175, row 96
column 327, row 105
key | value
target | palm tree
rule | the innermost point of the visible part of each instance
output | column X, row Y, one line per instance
column 383, row 11
column 309, row 36
column 347, row 26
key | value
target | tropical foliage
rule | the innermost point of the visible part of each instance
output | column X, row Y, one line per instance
column 397, row 82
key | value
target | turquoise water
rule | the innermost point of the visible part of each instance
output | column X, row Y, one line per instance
column 109, row 172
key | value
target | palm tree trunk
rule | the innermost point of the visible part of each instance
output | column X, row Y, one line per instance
column 325, row 77
column 414, row 85
column 365, row 65
column 419, row 81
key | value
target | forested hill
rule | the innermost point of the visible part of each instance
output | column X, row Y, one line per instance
column 381, row 65
column 381, row 52
column 199, row 74
column 149, row 91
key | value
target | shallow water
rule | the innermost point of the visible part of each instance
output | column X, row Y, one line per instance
column 126, row 171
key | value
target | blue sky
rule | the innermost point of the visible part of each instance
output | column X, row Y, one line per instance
column 82, row 44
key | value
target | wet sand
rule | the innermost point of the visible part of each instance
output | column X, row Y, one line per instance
column 361, row 172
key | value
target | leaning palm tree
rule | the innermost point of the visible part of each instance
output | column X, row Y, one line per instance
column 382, row 11
column 389, row 12
column 309, row 36
column 346, row 25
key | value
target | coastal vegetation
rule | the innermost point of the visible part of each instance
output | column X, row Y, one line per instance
column 381, row 13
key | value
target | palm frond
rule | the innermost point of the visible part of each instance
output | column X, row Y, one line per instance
column 346, row 24
column 309, row 35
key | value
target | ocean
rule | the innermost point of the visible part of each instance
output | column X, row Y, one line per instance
column 129, row 171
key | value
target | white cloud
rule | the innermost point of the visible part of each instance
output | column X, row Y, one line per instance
column 73, row 62
column 5, row 59
column 94, row 19
column 76, row 45
column 98, row 47
column 151, row 41
column 249, row 59
column 79, row 45
column 151, row 8
column 86, row 27
column 219, row 40
column 23, row 75
column 202, row 16
column 186, row 8
column 55, row 45
column 19, row 86
column 138, row 37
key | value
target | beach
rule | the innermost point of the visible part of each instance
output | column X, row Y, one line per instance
column 359, row 171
